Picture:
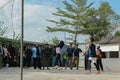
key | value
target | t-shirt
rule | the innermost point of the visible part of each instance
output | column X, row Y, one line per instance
column 5, row 51
column 76, row 52
column 70, row 52
column 93, row 50
column 58, row 50
column 34, row 52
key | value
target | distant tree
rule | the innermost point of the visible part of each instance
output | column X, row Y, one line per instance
column 117, row 33
column 55, row 41
column 71, row 17
column 2, row 32
column 98, row 24
column 2, row 28
column 78, row 18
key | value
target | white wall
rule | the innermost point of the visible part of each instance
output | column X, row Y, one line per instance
column 111, row 64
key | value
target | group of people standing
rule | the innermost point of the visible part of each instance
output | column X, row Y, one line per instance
column 51, row 56
column 7, row 55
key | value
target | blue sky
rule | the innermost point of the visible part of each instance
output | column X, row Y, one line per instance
column 36, row 14
column 115, row 4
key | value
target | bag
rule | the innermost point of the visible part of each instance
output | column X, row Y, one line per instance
column 99, row 53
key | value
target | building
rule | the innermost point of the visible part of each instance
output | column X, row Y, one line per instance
column 111, row 53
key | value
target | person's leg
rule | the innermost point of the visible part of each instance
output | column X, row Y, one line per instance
column 67, row 63
column 0, row 61
column 59, row 59
column 47, row 65
column 77, row 64
column 86, row 62
column 5, row 61
column 43, row 62
column 97, row 66
column 38, row 63
column 70, row 63
column 29, row 61
column 34, row 63
column 101, row 65
column 89, row 66
column 73, row 62
column 53, row 61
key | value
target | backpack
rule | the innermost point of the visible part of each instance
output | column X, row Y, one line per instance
column 99, row 53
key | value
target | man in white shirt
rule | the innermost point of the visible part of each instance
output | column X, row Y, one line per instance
column 58, row 53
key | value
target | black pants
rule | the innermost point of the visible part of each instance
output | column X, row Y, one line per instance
column 99, row 64
column 34, row 62
column 58, row 60
column 86, row 63
column 39, row 62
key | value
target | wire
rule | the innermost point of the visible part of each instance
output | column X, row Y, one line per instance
column 12, row 7
column 5, row 4
column 12, row 18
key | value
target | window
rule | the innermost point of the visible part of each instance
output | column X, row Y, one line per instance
column 114, row 54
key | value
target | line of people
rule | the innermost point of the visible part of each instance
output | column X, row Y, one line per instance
column 37, row 56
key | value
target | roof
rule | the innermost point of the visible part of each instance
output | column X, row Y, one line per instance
column 112, row 40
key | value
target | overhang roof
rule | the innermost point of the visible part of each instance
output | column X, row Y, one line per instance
column 112, row 40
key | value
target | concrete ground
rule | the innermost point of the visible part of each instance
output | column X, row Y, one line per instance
column 53, row 74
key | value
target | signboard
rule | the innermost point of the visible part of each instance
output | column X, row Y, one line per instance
column 107, row 48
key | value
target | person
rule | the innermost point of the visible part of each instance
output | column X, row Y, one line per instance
column 69, row 56
column 6, row 56
column 38, row 57
column 99, row 60
column 76, row 56
column 11, row 50
column 91, row 51
column 28, row 53
column 58, row 53
column 1, row 55
column 53, row 56
column 46, row 55
column 34, row 56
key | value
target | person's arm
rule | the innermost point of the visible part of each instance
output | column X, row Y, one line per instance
column 85, row 52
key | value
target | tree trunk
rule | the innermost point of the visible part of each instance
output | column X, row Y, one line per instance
column 75, row 39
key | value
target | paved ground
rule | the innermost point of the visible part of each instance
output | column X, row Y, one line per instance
column 52, row 74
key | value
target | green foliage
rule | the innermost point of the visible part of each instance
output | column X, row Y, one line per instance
column 98, row 24
column 71, row 18
column 117, row 33
column 2, row 32
column 16, row 42
column 55, row 41
column 2, row 29
column 80, row 18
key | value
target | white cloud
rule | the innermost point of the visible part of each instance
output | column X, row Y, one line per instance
column 35, row 21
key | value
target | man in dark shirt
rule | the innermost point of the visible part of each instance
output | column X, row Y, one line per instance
column 76, row 55
column 69, row 56
column 46, row 52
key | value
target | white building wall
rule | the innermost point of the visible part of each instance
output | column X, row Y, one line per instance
column 111, row 64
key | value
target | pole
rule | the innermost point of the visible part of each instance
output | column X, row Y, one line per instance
column 21, row 42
